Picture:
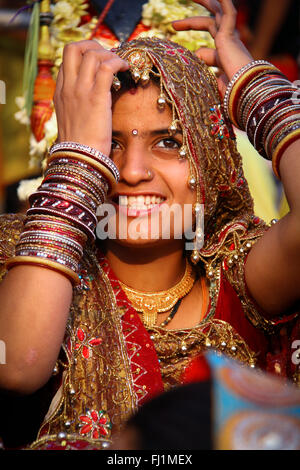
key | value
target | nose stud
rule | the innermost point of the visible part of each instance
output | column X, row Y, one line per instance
column 134, row 132
column 149, row 174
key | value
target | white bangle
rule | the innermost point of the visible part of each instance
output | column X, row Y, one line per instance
column 90, row 151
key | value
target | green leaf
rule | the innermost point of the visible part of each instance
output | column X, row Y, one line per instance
column 30, row 60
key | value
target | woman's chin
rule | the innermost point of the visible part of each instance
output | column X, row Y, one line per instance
column 140, row 243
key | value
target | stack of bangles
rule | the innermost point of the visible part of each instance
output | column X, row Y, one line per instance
column 263, row 102
column 62, row 214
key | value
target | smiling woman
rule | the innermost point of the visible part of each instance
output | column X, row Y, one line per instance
column 143, row 130
column 153, row 177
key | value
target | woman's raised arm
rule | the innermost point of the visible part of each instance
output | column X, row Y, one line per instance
column 35, row 300
column 272, row 268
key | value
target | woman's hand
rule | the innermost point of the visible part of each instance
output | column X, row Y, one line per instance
column 83, row 94
column 230, row 53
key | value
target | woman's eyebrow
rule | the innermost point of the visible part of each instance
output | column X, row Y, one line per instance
column 163, row 131
column 117, row 133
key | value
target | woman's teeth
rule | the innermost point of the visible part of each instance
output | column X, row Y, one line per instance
column 140, row 202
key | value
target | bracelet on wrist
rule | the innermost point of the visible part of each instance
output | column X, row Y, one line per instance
column 259, row 99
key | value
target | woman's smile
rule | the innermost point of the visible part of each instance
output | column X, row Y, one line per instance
column 137, row 205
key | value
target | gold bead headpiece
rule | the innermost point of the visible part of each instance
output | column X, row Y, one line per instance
column 140, row 66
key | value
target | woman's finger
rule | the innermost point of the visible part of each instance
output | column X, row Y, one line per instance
column 106, row 71
column 211, row 5
column 58, row 85
column 228, row 22
column 197, row 23
column 59, row 79
column 91, row 60
column 223, row 11
column 224, row 19
column 72, row 57
column 209, row 56
column 57, row 95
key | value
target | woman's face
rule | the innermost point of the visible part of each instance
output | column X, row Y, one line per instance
column 153, row 179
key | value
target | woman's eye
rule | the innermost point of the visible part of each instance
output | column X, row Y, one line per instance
column 115, row 145
column 168, row 144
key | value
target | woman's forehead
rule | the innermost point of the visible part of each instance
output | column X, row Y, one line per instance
column 131, row 88
column 140, row 103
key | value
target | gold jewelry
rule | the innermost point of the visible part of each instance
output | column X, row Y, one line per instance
column 152, row 303
column 35, row 261
column 140, row 66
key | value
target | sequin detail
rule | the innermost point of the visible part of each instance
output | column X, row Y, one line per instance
column 218, row 127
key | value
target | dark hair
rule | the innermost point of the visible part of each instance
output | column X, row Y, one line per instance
column 177, row 419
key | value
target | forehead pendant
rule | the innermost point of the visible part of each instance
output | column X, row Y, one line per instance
column 134, row 132
column 140, row 66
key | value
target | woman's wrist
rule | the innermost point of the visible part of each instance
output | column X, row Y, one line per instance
column 260, row 100
column 86, row 150
column 62, row 216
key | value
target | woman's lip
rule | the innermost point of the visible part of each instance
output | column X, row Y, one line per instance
column 141, row 193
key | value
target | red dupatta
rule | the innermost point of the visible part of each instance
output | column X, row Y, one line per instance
column 143, row 359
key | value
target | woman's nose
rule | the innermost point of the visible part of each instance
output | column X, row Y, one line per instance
column 135, row 167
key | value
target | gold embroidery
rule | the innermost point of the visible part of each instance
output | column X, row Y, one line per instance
column 175, row 348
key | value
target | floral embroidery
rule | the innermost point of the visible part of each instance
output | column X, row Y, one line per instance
column 96, row 424
column 218, row 127
column 86, row 345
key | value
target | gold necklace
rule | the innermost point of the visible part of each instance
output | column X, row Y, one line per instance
column 152, row 303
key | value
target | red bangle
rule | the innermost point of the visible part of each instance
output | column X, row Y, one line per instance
column 281, row 148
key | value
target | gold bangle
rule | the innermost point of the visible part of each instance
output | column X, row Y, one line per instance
column 45, row 225
column 44, row 263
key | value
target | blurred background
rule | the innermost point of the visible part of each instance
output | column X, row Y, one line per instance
column 270, row 29
column 14, row 137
